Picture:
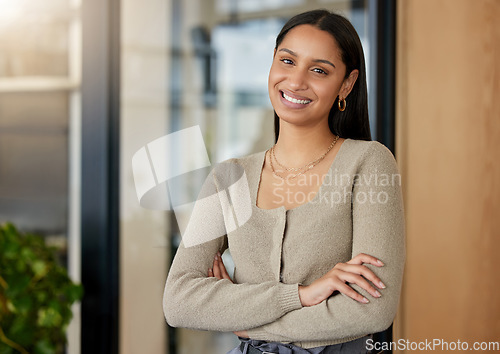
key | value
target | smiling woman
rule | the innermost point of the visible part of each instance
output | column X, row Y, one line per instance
column 313, row 273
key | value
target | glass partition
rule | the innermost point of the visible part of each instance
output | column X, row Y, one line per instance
column 194, row 63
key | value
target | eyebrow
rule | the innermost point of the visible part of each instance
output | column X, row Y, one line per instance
column 291, row 52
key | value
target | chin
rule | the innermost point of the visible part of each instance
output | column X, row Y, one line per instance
column 298, row 119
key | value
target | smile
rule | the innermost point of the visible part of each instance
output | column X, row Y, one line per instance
column 294, row 100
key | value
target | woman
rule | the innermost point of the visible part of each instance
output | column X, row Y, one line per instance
column 327, row 223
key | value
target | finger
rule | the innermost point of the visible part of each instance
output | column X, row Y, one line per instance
column 243, row 334
column 353, row 294
column 223, row 269
column 217, row 272
column 361, row 282
column 367, row 259
column 210, row 272
column 361, row 270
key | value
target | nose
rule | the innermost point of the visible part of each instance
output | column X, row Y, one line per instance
column 297, row 79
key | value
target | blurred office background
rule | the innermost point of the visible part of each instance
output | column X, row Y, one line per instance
column 84, row 84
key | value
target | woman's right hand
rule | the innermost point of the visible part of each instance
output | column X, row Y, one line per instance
column 353, row 272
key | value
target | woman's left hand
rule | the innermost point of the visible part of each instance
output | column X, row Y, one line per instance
column 219, row 271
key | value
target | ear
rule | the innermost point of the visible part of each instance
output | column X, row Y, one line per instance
column 348, row 84
column 274, row 52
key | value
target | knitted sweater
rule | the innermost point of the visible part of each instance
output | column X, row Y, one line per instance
column 358, row 209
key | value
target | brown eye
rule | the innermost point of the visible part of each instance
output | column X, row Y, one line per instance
column 319, row 71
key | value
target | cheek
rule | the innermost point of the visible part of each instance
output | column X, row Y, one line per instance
column 329, row 92
column 327, row 96
column 275, row 76
column 270, row 79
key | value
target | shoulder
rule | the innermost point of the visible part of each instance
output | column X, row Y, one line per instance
column 234, row 168
column 365, row 148
column 369, row 153
column 248, row 162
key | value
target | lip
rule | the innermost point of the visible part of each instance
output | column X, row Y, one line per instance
column 295, row 105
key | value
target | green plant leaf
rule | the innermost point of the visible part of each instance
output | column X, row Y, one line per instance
column 44, row 347
column 37, row 288
column 4, row 349
column 27, row 254
column 41, row 296
column 23, row 304
column 18, row 333
column 17, row 284
column 11, row 251
column 49, row 317
column 74, row 292
column 20, row 266
column 11, row 307
column 40, row 268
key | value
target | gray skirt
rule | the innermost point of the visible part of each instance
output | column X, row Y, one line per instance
column 357, row 346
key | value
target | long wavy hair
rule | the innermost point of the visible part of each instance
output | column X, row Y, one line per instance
column 352, row 123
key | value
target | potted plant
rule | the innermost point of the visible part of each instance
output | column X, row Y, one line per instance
column 36, row 295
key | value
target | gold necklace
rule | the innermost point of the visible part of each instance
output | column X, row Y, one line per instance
column 314, row 162
column 300, row 170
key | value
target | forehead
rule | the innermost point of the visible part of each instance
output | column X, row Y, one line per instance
column 308, row 40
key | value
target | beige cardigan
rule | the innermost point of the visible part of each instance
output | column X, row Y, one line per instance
column 358, row 209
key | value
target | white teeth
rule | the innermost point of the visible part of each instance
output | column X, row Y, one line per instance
column 294, row 100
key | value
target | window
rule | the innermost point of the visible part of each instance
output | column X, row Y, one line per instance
column 39, row 119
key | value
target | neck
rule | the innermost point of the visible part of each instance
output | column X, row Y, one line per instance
column 300, row 144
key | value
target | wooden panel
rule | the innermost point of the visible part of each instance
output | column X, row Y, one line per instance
column 448, row 147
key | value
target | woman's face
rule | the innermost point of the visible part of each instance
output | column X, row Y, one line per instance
column 307, row 75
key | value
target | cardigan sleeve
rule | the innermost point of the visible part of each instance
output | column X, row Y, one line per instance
column 378, row 230
column 192, row 299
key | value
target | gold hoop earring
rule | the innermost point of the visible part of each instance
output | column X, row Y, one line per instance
column 342, row 104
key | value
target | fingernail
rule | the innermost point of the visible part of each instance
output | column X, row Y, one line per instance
column 218, row 253
column 377, row 294
column 365, row 300
column 381, row 285
column 216, row 258
column 380, row 262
